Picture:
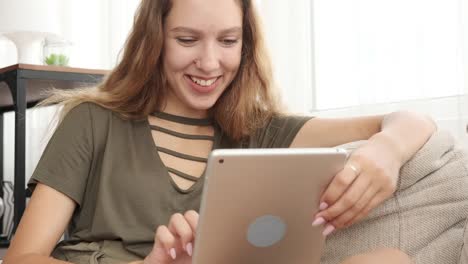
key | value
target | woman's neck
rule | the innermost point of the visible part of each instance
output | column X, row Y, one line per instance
column 195, row 114
column 183, row 124
column 176, row 107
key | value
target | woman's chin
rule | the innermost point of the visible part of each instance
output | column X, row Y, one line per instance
column 202, row 104
column 201, row 107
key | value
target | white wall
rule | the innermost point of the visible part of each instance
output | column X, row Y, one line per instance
column 43, row 15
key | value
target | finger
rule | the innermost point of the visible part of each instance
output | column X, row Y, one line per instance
column 192, row 219
column 179, row 226
column 348, row 200
column 340, row 184
column 378, row 198
column 329, row 228
column 165, row 243
column 345, row 219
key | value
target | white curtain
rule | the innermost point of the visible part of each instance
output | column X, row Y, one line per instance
column 287, row 25
column 372, row 56
column 99, row 38
column 387, row 51
column 375, row 56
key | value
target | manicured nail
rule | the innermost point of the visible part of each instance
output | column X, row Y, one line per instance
column 172, row 253
column 189, row 249
column 318, row 221
column 328, row 230
column 323, row 206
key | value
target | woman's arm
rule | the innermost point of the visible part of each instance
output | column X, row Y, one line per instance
column 370, row 175
column 42, row 225
column 408, row 131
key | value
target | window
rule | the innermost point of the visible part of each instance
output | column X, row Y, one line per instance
column 365, row 57
column 376, row 51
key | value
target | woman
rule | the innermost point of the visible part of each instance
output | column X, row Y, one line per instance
column 122, row 168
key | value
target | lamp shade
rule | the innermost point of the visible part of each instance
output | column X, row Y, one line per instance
column 8, row 55
column 28, row 45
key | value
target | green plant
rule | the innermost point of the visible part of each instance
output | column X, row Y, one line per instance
column 57, row 59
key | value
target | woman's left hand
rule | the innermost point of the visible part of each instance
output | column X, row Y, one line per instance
column 369, row 177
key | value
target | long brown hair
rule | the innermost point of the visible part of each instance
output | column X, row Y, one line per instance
column 137, row 85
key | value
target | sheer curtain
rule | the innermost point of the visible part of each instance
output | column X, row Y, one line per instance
column 392, row 55
column 98, row 30
column 287, row 25
column 373, row 56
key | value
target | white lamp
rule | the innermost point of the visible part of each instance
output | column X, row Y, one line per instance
column 8, row 54
column 29, row 45
column 26, row 23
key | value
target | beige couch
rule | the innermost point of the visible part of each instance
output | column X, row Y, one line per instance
column 425, row 218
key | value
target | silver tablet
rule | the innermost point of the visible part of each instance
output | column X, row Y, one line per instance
column 258, row 205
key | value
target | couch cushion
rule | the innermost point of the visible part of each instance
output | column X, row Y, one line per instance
column 426, row 216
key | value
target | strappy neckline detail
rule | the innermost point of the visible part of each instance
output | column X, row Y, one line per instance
column 184, row 120
column 197, row 181
column 180, row 135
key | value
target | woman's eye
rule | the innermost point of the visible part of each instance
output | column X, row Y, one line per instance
column 186, row 41
column 229, row 42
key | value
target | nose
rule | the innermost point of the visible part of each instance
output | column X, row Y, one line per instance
column 209, row 58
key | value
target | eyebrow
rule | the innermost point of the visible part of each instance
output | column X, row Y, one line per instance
column 194, row 31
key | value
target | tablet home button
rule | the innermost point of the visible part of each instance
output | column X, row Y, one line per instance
column 265, row 231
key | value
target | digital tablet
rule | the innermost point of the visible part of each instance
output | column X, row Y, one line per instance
column 258, row 205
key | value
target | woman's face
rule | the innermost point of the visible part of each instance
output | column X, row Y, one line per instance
column 202, row 53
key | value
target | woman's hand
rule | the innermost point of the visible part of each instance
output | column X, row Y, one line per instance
column 174, row 243
column 369, row 177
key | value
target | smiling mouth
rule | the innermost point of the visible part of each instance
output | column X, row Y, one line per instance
column 203, row 82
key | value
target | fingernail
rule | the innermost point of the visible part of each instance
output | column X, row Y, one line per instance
column 172, row 252
column 323, row 206
column 328, row 230
column 318, row 221
column 189, row 249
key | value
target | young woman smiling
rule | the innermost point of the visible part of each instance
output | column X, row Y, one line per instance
column 124, row 168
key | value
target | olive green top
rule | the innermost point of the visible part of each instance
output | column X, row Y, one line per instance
column 111, row 168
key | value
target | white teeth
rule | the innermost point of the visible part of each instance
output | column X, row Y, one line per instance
column 203, row 82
